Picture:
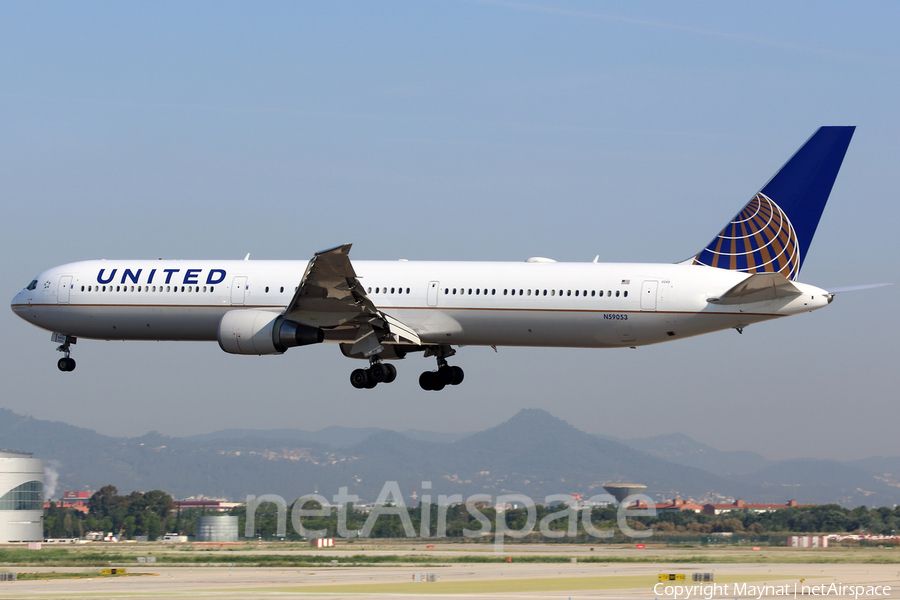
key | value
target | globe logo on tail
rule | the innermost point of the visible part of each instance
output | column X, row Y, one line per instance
column 760, row 239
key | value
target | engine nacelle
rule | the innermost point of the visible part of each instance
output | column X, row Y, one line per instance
column 263, row 332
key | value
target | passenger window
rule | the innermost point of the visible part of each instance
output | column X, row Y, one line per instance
column 504, row 292
column 617, row 293
column 211, row 288
column 407, row 290
column 267, row 289
column 569, row 293
column 477, row 291
column 626, row 293
column 282, row 289
column 392, row 290
column 609, row 292
column 493, row 292
column 576, row 292
column 454, row 291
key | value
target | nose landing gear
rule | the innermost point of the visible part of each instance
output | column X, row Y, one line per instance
column 66, row 363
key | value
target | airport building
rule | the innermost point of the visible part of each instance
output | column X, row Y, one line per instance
column 219, row 528
column 21, row 497
column 757, row 507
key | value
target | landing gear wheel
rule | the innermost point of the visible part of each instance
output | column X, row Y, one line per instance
column 459, row 375
column 426, row 381
column 391, row 373
column 359, row 378
column 63, row 364
column 71, row 362
column 446, row 375
column 378, row 372
column 431, row 381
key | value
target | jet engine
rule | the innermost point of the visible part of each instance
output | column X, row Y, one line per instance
column 263, row 332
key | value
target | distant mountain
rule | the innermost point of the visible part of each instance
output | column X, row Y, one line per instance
column 333, row 437
column 823, row 481
column 533, row 453
column 679, row 448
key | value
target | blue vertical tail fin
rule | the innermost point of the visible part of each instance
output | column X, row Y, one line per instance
column 773, row 231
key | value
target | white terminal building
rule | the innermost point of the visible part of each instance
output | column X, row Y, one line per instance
column 21, row 497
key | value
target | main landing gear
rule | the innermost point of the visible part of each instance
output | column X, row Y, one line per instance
column 435, row 381
column 66, row 363
column 381, row 372
column 378, row 372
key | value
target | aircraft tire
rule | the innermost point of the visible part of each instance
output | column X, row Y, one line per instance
column 459, row 375
column 63, row 364
column 378, row 373
column 391, row 373
column 71, row 364
column 425, row 381
column 359, row 378
column 446, row 376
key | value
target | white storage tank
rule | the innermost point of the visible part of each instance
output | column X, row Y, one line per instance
column 220, row 528
column 21, row 497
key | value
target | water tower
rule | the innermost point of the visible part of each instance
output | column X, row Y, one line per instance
column 621, row 491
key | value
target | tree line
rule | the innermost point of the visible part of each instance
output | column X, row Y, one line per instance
column 154, row 513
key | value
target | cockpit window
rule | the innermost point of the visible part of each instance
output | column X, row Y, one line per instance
column 32, row 285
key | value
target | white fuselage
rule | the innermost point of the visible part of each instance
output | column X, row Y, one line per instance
column 589, row 305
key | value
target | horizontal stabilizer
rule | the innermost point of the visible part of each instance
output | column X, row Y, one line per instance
column 759, row 287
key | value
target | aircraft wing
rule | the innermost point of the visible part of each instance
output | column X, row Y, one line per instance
column 759, row 287
column 330, row 296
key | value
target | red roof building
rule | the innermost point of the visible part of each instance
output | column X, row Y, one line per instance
column 79, row 505
column 718, row 509
column 678, row 505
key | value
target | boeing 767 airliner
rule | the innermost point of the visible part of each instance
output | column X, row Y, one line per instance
column 384, row 310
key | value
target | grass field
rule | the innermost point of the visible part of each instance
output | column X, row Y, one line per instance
column 274, row 555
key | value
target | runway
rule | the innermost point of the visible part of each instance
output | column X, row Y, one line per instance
column 475, row 581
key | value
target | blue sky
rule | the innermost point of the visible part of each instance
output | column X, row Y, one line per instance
column 453, row 130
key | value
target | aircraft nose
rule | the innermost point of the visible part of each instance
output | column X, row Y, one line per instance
column 16, row 303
